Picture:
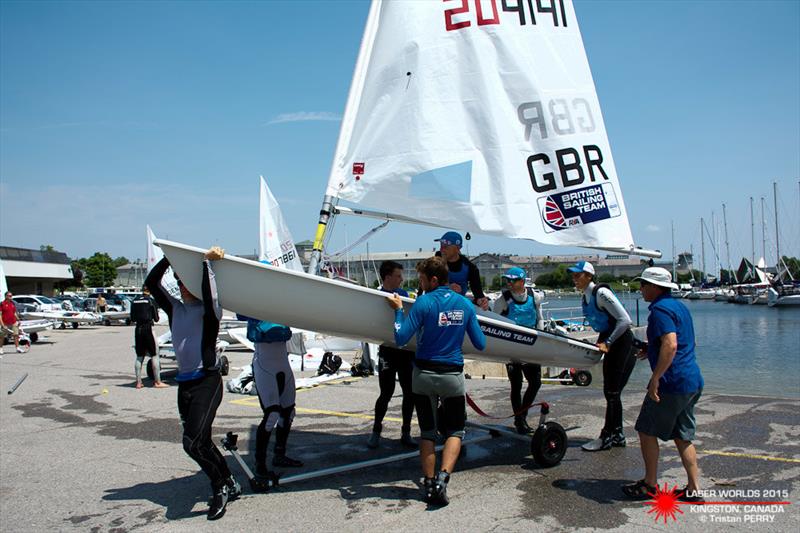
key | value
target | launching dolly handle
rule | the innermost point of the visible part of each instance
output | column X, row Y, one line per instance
column 257, row 483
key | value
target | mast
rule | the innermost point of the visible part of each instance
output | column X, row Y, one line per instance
column 727, row 246
column 763, row 231
column 752, row 241
column 672, row 228
column 702, row 251
column 777, row 237
column 328, row 203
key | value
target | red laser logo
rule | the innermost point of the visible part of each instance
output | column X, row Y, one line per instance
column 664, row 503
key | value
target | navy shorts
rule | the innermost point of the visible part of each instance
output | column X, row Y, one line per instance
column 671, row 418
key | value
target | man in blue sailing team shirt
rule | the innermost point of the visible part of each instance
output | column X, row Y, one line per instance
column 440, row 318
column 194, row 324
column 674, row 388
column 520, row 304
column 393, row 362
column 463, row 273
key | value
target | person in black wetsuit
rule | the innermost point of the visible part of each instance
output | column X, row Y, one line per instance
column 463, row 273
column 605, row 313
column 524, row 307
column 144, row 314
column 393, row 362
column 194, row 324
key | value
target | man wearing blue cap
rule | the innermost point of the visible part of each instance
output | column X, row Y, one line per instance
column 608, row 317
column 524, row 307
column 463, row 273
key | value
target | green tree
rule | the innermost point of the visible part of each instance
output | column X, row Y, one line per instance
column 606, row 278
column 793, row 264
column 46, row 248
column 557, row 279
column 119, row 261
column 98, row 270
column 497, row 283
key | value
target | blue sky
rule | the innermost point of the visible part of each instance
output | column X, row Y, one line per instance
column 114, row 115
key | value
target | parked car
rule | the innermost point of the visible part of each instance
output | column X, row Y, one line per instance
column 114, row 302
column 41, row 304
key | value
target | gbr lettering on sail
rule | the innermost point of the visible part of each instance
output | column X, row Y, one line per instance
column 576, row 172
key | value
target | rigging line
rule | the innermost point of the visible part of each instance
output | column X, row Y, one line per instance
column 368, row 235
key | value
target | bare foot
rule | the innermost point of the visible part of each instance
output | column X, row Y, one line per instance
column 160, row 385
column 139, row 385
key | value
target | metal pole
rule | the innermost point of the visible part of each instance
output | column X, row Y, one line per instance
column 702, row 251
column 727, row 246
column 18, row 383
column 763, row 231
column 325, row 214
column 752, row 241
column 672, row 227
column 777, row 237
column 369, row 463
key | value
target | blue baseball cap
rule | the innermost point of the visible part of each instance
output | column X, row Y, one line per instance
column 450, row 238
column 514, row 273
column 582, row 266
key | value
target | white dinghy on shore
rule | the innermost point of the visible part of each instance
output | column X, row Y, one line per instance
column 346, row 310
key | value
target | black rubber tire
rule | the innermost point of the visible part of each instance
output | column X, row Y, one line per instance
column 224, row 365
column 106, row 322
column 549, row 444
column 63, row 325
column 151, row 372
column 564, row 375
column 74, row 325
column 582, row 378
column 34, row 336
column 127, row 321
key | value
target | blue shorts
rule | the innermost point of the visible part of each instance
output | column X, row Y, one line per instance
column 671, row 418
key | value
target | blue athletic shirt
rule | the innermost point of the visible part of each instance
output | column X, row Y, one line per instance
column 440, row 318
column 399, row 290
column 668, row 315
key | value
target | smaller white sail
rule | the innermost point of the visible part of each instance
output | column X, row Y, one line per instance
column 154, row 255
column 275, row 243
column 3, row 284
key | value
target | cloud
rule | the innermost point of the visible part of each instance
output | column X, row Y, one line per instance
column 305, row 116
column 652, row 228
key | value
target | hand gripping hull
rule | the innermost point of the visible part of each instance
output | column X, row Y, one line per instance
column 334, row 307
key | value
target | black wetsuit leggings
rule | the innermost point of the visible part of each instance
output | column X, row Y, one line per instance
column 391, row 364
column 618, row 364
column 533, row 375
column 198, row 401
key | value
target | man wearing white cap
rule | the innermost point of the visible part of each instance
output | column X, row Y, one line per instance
column 667, row 412
column 524, row 307
column 608, row 317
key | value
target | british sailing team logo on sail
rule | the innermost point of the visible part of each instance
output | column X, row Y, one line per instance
column 577, row 207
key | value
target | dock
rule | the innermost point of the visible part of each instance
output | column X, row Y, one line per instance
column 82, row 449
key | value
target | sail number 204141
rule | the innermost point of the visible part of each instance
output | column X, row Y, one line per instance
column 464, row 13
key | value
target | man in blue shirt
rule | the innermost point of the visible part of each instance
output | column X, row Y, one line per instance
column 439, row 318
column 675, row 386
column 393, row 362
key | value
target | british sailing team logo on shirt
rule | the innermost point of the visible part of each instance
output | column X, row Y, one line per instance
column 451, row 318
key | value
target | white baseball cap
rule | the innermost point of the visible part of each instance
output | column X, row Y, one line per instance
column 582, row 266
column 658, row 276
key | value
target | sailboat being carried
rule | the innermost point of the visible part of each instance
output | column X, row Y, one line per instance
column 472, row 115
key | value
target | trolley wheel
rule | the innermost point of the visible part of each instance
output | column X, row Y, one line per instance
column 564, row 375
column 127, row 321
column 34, row 336
column 63, row 325
column 224, row 365
column 106, row 322
column 549, row 444
column 151, row 371
column 582, row 378
column 74, row 325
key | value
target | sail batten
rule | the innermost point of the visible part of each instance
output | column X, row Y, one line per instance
column 472, row 120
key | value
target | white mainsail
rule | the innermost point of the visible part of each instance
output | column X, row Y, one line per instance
column 465, row 115
column 275, row 243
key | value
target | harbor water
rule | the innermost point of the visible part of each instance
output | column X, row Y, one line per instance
column 741, row 349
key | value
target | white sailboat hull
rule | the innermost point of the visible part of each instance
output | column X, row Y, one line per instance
column 328, row 306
